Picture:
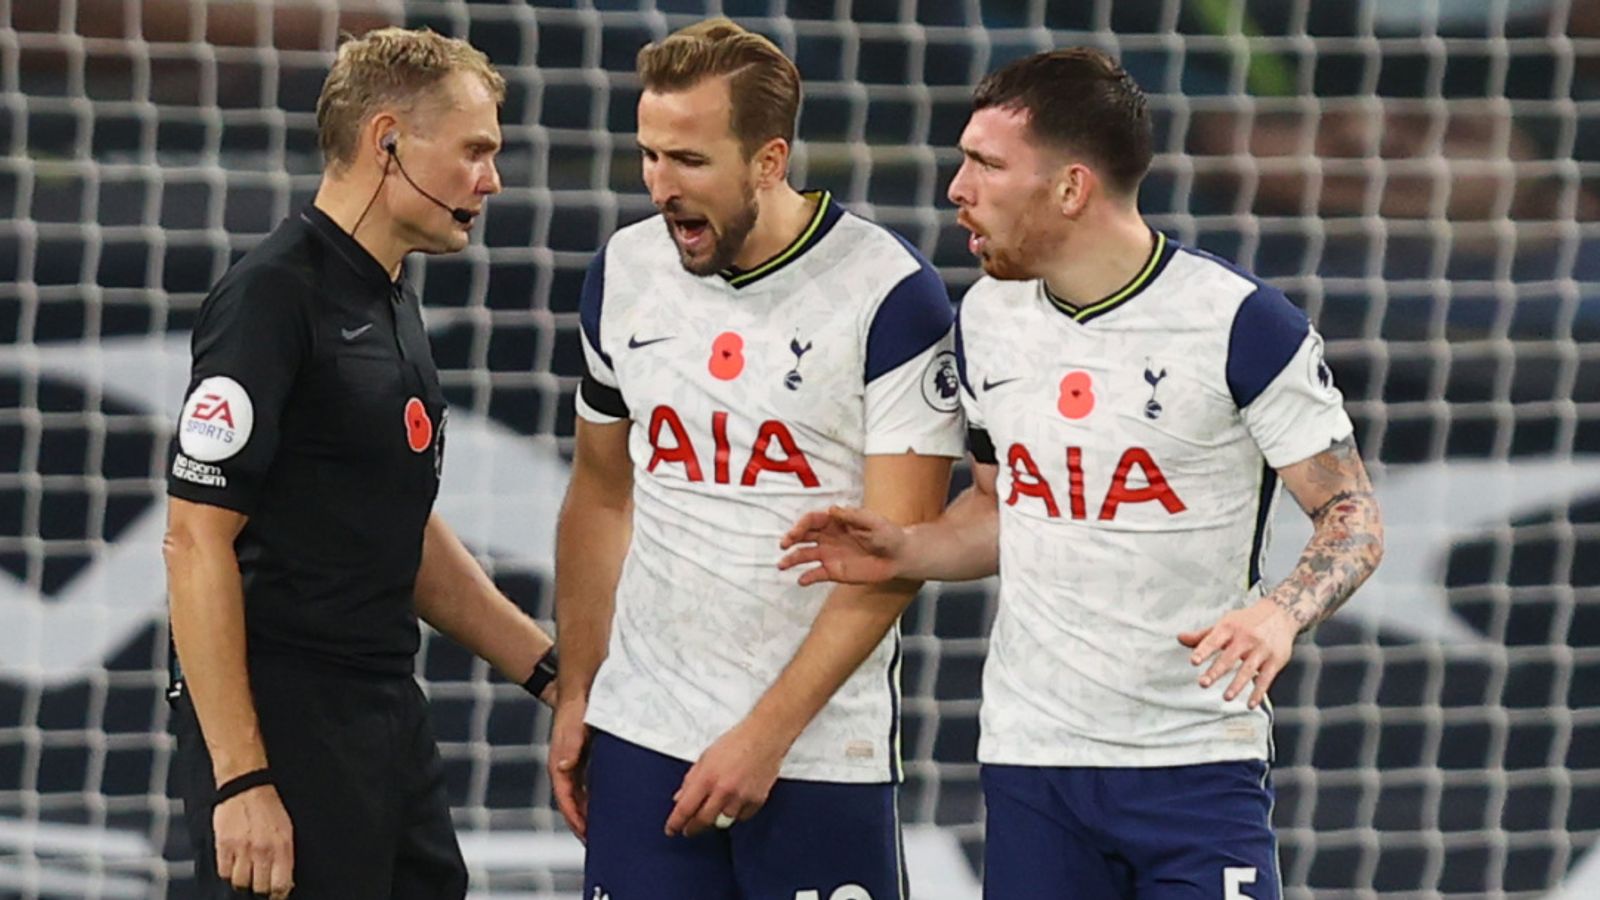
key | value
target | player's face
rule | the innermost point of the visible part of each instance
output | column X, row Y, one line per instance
column 450, row 153
column 1004, row 193
column 697, row 173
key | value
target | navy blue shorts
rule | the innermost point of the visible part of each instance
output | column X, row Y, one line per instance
column 811, row 841
column 1170, row 833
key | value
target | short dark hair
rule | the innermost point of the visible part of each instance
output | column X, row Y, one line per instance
column 1078, row 100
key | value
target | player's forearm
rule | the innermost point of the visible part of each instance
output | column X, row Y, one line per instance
column 1345, row 547
column 961, row 545
column 852, row 622
column 456, row 596
column 591, row 542
column 206, row 597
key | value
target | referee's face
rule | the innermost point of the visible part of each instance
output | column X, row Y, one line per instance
column 451, row 156
column 697, row 173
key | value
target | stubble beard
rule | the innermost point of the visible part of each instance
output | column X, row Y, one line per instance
column 729, row 241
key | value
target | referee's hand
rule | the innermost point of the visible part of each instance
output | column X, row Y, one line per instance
column 255, row 842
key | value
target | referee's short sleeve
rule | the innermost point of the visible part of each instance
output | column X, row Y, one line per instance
column 252, row 337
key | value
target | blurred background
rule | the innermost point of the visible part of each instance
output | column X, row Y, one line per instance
column 1422, row 176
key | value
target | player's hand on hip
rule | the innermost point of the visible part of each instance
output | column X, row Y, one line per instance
column 569, row 752
column 255, row 842
column 1253, row 644
column 730, row 781
column 848, row 544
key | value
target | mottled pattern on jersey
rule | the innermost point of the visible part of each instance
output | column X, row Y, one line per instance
column 753, row 401
column 1136, row 445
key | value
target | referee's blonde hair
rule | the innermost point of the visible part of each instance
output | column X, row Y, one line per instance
column 764, row 84
column 390, row 67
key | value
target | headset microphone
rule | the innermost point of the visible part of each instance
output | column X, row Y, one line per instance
column 463, row 216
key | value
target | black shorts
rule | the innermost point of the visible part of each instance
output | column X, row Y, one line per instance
column 354, row 758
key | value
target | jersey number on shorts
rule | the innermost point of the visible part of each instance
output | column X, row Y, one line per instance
column 842, row 892
column 1233, row 877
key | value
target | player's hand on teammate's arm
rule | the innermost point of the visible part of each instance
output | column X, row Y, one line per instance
column 568, row 764
column 255, row 842
column 846, row 544
column 1251, row 644
column 732, row 778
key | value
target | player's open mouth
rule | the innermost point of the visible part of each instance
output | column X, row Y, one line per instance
column 693, row 234
column 976, row 240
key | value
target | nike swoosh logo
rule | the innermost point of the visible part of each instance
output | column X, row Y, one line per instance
column 991, row 385
column 634, row 343
column 351, row 334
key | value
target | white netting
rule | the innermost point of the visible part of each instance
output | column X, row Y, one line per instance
column 1419, row 174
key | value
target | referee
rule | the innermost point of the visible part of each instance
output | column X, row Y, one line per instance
column 301, row 546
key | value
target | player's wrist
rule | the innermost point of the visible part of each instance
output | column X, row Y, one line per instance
column 909, row 556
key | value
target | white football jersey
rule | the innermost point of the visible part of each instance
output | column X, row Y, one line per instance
column 754, row 398
column 1137, row 440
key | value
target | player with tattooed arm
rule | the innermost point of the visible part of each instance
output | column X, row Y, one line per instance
column 1134, row 406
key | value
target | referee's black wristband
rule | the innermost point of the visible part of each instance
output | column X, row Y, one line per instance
column 544, row 672
column 233, row 787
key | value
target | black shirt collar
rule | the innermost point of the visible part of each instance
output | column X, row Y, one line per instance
column 364, row 264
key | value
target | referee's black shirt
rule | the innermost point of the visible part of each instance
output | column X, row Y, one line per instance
column 314, row 408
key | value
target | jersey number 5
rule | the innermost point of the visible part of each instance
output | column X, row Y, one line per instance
column 842, row 892
column 1233, row 877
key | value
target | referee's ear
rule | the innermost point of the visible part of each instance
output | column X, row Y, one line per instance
column 384, row 134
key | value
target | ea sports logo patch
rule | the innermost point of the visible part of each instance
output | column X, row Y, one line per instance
column 941, row 385
column 216, row 420
column 419, row 428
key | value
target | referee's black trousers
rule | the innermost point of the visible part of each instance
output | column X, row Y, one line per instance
column 354, row 758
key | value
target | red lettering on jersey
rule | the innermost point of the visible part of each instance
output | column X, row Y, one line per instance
column 1075, row 482
column 212, row 406
column 681, row 452
column 794, row 460
column 790, row 458
column 1156, row 489
column 1021, row 463
column 719, row 434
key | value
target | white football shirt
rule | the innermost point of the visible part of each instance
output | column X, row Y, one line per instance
column 1137, row 440
column 754, row 398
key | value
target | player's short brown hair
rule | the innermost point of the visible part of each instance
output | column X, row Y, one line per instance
column 764, row 84
column 1081, row 101
column 389, row 67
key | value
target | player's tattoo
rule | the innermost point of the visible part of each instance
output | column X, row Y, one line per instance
column 1347, row 543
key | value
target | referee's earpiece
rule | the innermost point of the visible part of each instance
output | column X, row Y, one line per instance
column 390, row 138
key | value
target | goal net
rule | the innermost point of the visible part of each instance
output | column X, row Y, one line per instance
column 1419, row 175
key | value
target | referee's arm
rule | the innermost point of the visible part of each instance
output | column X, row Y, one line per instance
column 455, row 596
column 255, row 846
